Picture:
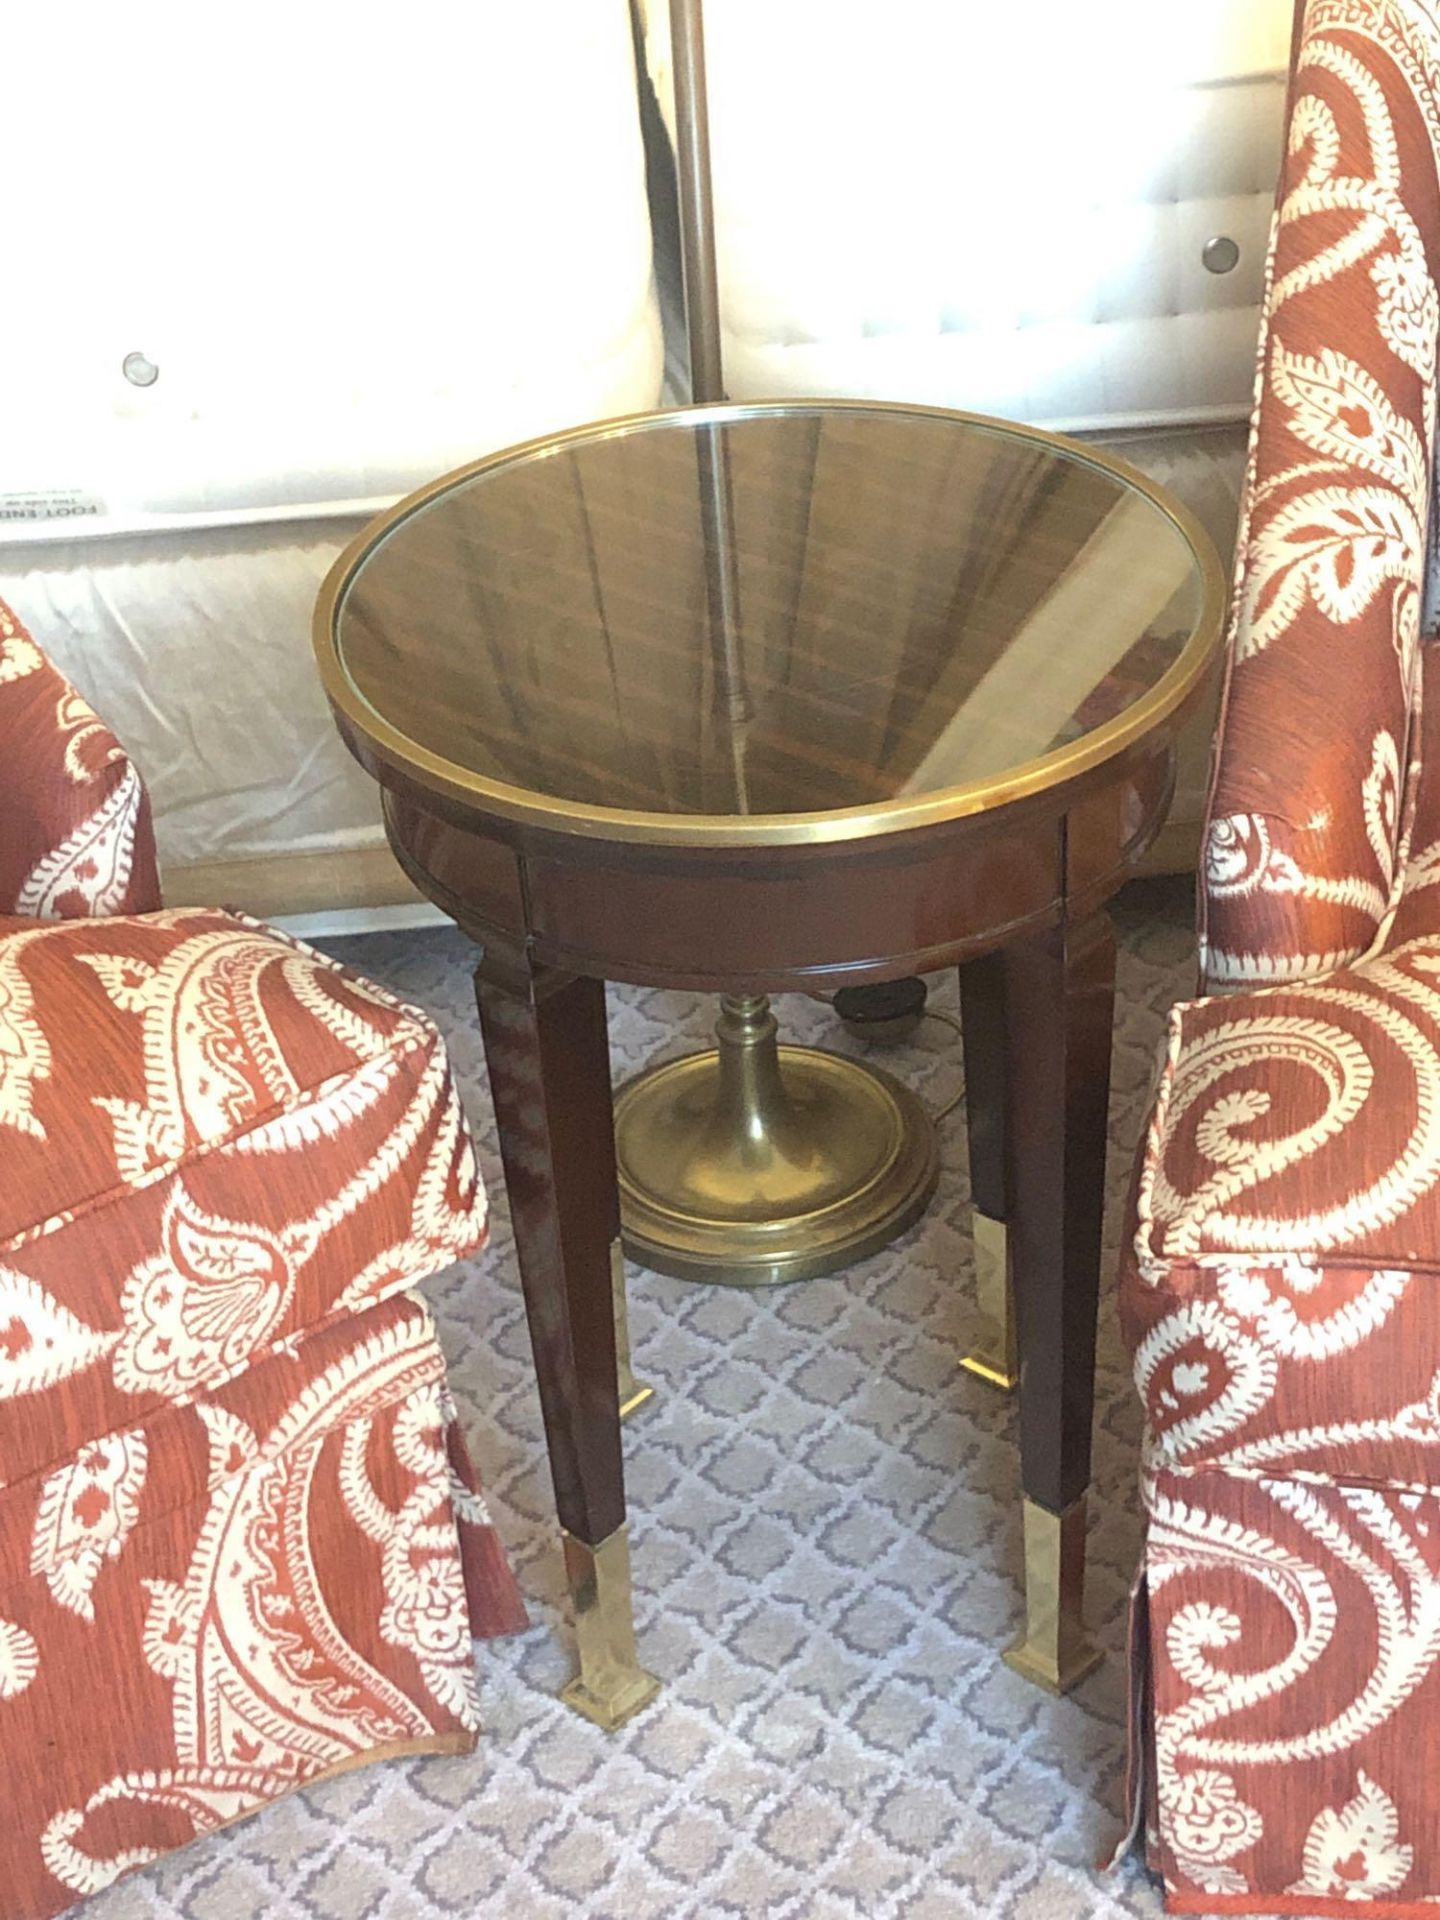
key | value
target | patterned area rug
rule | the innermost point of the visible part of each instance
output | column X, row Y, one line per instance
column 827, row 1557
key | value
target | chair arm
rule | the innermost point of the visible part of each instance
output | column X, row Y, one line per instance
column 1308, row 816
column 76, row 839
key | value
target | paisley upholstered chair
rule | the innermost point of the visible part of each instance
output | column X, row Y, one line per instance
column 241, row 1544
column 1282, row 1287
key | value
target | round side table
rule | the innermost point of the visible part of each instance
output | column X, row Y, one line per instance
column 750, row 698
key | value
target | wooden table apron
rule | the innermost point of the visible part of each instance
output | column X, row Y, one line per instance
column 557, row 915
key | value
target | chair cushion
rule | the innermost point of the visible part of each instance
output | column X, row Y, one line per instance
column 1282, row 1291
column 1280, row 1288
column 62, row 1525
column 214, row 1140
column 229, row 1599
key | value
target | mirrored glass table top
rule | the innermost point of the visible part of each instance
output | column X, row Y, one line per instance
column 807, row 619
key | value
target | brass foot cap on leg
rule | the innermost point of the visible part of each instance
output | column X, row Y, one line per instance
column 1054, row 1674
column 611, row 1685
column 984, row 1369
column 635, row 1396
column 611, row 1706
column 1054, row 1650
column 633, row 1393
column 995, row 1362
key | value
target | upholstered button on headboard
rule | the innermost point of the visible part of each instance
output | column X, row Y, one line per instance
column 1052, row 212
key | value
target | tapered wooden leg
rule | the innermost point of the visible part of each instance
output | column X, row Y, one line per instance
column 1059, row 1016
column 982, row 1020
column 545, row 1043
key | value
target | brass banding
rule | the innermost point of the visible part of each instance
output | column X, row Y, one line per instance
column 1053, row 1650
column 994, row 1359
column 384, row 744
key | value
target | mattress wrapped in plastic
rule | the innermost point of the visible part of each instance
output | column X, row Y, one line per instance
column 279, row 266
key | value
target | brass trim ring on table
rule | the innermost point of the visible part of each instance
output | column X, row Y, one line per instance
column 363, row 725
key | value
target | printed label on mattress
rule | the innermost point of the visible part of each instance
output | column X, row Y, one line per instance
column 51, row 503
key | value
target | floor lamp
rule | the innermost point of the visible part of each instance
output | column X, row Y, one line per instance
column 756, row 1163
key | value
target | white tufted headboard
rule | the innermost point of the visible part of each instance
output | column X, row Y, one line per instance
column 358, row 246
column 998, row 208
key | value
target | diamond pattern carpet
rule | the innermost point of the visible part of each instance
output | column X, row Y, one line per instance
column 827, row 1558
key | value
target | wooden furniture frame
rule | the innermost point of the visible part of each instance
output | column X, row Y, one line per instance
column 1008, row 883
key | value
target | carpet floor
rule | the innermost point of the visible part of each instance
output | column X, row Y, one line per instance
column 826, row 1540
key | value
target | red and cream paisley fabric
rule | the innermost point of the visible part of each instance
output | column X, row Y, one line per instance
column 1306, row 831
column 241, row 1544
column 1281, row 1282
column 273, row 1581
column 1280, row 1298
column 258, row 1140
column 1281, row 1291
column 75, row 832
column 1296, row 1695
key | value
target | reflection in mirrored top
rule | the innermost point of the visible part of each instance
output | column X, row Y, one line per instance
column 786, row 611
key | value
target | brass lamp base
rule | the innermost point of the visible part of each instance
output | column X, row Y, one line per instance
column 758, row 1164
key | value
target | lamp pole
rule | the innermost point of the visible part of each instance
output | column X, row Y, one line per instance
column 700, row 1140
column 697, row 215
